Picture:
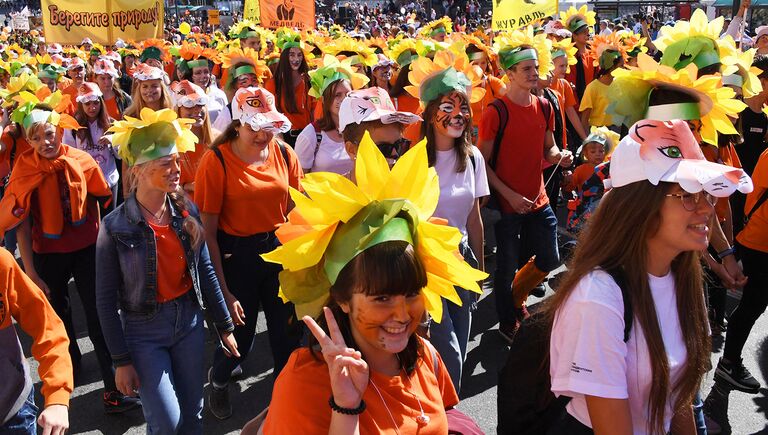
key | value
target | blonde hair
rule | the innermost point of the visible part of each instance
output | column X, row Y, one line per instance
column 179, row 199
column 137, row 102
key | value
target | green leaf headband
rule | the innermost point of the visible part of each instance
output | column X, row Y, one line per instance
column 608, row 58
column 558, row 53
column 513, row 56
column 378, row 222
column 442, row 83
column 667, row 112
column 699, row 50
column 151, row 53
column 576, row 23
column 53, row 72
column 437, row 30
column 405, row 58
column 321, row 78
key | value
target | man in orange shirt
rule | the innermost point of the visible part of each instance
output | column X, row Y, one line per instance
column 22, row 300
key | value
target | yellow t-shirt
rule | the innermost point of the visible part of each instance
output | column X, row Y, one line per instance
column 596, row 98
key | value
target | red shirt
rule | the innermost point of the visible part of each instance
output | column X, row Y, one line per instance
column 519, row 162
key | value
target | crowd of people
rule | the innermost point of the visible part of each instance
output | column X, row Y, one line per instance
column 334, row 181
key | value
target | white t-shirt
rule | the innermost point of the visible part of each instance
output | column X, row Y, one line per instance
column 103, row 154
column 331, row 156
column 588, row 355
column 458, row 191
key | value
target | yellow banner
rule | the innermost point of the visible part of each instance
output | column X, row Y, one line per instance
column 288, row 13
column 251, row 11
column 69, row 21
column 513, row 14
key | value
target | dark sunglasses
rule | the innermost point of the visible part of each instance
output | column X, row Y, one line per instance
column 395, row 149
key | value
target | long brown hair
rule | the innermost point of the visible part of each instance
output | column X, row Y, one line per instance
column 326, row 123
column 462, row 144
column 616, row 239
column 284, row 83
column 207, row 136
column 389, row 268
column 137, row 102
column 102, row 120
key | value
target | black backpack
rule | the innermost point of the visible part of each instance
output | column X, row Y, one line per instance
column 526, row 404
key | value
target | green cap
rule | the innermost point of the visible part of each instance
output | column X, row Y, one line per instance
column 442, row 83
column 513, row 56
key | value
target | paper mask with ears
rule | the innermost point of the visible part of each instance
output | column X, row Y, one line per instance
column 256, row 107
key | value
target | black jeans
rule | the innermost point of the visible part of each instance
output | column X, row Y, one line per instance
column 56, row 270
column 254, row 283
column 753, row 302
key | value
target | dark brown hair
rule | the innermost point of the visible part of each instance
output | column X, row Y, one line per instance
column 462, row 144
column 389, row 268
column 354, row 132
column 102, row 120
column 284, row 83
column 625, row 247
column 325, row 123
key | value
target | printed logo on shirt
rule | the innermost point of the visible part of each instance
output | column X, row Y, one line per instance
column 755, row 130
column 576, row 369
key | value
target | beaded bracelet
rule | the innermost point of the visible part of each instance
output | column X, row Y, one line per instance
column 347, row 411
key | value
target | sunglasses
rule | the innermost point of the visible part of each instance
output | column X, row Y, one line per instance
column 691, row 200
column 394, row 149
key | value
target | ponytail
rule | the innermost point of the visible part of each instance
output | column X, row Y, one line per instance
column 190, row 225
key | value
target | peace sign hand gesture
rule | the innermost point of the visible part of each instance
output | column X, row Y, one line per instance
column 347, row 369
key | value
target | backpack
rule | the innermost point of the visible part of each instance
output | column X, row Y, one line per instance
column 526, row 404
column 501, row 109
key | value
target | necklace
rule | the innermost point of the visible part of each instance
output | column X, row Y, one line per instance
column 155, row 218
column 422, row 419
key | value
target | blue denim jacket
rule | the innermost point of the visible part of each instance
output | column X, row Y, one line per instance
column 126, row 273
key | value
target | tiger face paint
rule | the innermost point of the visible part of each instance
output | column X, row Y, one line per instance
column 453, row 114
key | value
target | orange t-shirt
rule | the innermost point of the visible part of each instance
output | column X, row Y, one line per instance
column 755, row 233
column 71, row 90
column 305, row 105
column 580, row 175
column 249, row 199
column 112, row 110
column 190, row 161
column 305, row 379
column 408, row 103
column 173, row 280
column 493, row 90
column 5, row 156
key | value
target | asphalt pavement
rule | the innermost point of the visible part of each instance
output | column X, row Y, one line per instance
column 748, row 414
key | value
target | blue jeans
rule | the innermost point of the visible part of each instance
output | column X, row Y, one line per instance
column 540, row 229
column 166, row 350
column 24, row 422
column 451, row 335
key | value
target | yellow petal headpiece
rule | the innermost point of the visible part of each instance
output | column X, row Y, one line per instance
column 237, row 61
column 443, row 25
column 696, row 41
column 384, row 205
column 352, row 49
column 574, row 19
column 631, row 88
column 332, row 69
column 565, row 47
column 449, row 71
column 27, row 111
column 605, row 49
column 509, row 43
column 153, row 135
column 741, row 72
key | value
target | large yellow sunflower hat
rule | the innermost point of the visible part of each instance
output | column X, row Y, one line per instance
column 449, row 71
column 249, row 63
column 606, row 49
column 510, row 45
column 574, row 19
column 443, row 25
column 696, row 41
column 331, row 69
column 350, row 48
column 340, row 219
column 713, row 104
column 153, row 135
column 742, row 74
column 404, row 52
column 565, row 47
